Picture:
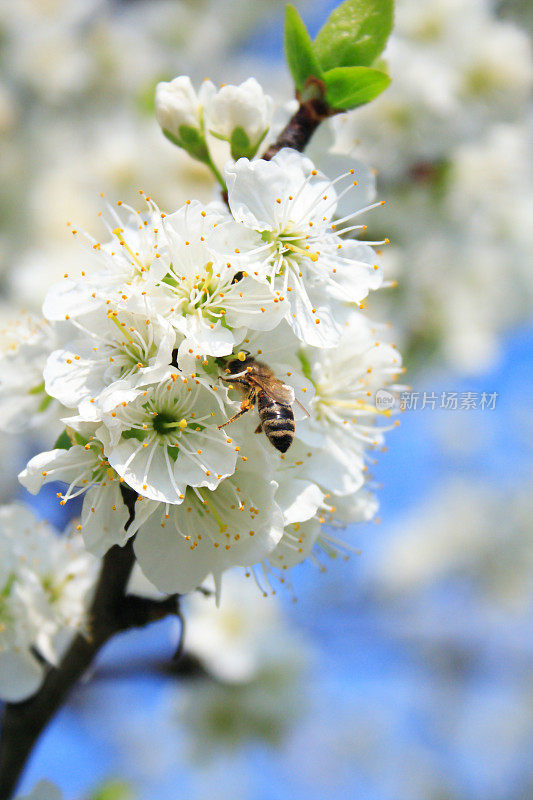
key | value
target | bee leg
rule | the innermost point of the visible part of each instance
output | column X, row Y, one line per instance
column 259, row 428
column 246, row 405
column 233, row 418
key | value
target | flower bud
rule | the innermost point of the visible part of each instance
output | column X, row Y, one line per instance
column 179, row 111
column 176, row 103
column 241, row 115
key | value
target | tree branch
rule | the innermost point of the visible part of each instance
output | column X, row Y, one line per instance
column 111, row 612
column 301, row 126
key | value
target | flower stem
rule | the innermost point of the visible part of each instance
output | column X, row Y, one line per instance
column 216, row 172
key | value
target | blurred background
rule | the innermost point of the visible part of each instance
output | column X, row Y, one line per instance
column 407, row 672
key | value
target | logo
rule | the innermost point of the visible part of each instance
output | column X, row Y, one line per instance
column 384, row 400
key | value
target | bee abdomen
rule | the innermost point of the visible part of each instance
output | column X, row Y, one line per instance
column 277, row 420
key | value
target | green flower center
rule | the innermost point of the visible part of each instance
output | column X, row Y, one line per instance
column 164, row 422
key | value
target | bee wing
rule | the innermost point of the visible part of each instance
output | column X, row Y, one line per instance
column 276, row 389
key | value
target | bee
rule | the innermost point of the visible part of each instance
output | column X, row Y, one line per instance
column 273, row 398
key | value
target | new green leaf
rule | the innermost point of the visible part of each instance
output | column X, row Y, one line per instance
column 349, row 87
column 63, row 442
column 354, row 34
column 299, row 51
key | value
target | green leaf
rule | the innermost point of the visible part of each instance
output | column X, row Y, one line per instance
column 240, row 143
column 349, row 87
column 299, row 50
column 63, row 442
column 355, row 33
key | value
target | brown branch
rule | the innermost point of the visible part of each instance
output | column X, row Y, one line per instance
column 111, row 612
column 301, row 126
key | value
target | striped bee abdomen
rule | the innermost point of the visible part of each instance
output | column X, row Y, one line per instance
column 277, row 421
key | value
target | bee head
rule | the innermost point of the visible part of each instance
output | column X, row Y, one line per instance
column 243, row 362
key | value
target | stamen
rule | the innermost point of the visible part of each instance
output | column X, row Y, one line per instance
column 111, row 314
column 209, row 503
column 301, row 251
column 118, row 234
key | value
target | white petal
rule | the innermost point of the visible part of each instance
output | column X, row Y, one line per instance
column 215, row 341
column 253, row 188
column 69, row 299
column 70, row 379
column 145, row 469
column 102, row 525
column 296, row 545
column 166, row 560
column 20, row 675
column 44, row 790
column 56, row 465
column 246, row 311
column 298, row 499
column 325, row 332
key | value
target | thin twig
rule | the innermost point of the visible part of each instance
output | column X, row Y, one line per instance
column 301, row 126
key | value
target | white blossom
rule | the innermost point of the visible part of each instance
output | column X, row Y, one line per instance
column 205, row 295
column 123, row 270
column 259, row 662
column 343, row 416
column 237, row 524
column 85, row 470
column 25, row 346
column 115, row 351
column 316, row 533
column 245, row 108
column 177, row 104
column 45, row 585
column 316, row 274
column 167, row 438
column 241, row 636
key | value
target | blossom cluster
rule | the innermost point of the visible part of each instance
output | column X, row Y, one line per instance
column 450, row 139
column 171, row 315
column 450, row 134
column 45, row 584
column 240, row 115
